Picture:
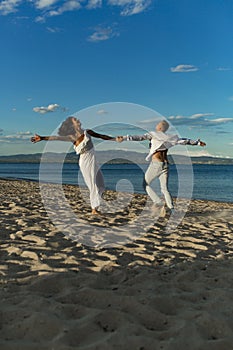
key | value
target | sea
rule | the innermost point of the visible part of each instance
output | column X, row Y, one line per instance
column 196, row 181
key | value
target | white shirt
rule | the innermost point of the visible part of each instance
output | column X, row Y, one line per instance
column 160, row 141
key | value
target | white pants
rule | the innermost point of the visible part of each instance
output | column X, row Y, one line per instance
column 93, row 176
column 158, row 170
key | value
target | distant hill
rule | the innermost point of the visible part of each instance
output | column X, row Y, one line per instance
column 118, row 156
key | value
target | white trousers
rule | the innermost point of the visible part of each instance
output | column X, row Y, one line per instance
column 92, row 176
column 158, row 170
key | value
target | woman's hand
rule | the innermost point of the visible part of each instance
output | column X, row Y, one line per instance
column 202, row 144
column 36, row 138
column 119, row 138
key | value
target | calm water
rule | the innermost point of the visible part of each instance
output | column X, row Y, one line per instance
column 213, row 182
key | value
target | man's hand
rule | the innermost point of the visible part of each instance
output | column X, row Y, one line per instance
column 119, row 138
column 202, row 144
column 36, row 138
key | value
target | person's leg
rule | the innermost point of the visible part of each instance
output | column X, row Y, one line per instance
column 163, row 178
column 153, row 171
column 89, row 171
column 99, row 180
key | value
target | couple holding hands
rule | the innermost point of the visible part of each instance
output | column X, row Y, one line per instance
column 71, row 131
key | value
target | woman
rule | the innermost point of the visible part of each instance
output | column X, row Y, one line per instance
column 160, row 142
column 71, row 130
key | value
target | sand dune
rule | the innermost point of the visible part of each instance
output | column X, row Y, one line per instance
column 65, row 286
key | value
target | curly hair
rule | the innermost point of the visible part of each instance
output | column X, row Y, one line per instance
column 67, row 127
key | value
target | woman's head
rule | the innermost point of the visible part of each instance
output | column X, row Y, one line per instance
column 70, row 126
column 162, row 126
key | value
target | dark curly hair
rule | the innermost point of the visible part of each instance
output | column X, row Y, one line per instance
column 66, row 127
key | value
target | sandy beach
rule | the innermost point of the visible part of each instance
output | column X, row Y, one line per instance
column 65, row 287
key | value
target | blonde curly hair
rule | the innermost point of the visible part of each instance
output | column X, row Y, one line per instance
column 67, row 127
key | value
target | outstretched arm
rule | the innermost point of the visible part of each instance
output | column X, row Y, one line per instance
column 134, row 137
column 37, row 138
column 100, row 136
column 184, row 141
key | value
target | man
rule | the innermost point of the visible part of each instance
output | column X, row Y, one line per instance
column 160, row 142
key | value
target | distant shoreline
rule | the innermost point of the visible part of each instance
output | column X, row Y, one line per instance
column 113, row 157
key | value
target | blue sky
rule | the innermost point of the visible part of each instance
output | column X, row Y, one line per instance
column 62, row 57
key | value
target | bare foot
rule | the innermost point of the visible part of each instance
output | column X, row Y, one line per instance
column 156, row 209
column 163, row 212
column 95, row 212
column 166, row 211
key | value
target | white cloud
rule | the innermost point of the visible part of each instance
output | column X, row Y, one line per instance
column 70, row 5
column 223, row 69
column 179, row 119
column 92, row 4
column 9, row 6
column 43, row 110
column 223, row 132
column 42, row 4
column 149, row 121
column 53, row 30
column 102, row 111
column 19, row 137
column 131, row 7
column 55, row 8
column 50, row 8
column 40, row 19
column 102, row 34
column 201, row 115
column 24, row 133
column 198, row 120
column 222, row 120
column 184, row 68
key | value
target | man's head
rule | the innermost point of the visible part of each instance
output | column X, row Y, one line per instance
column 162, row 126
